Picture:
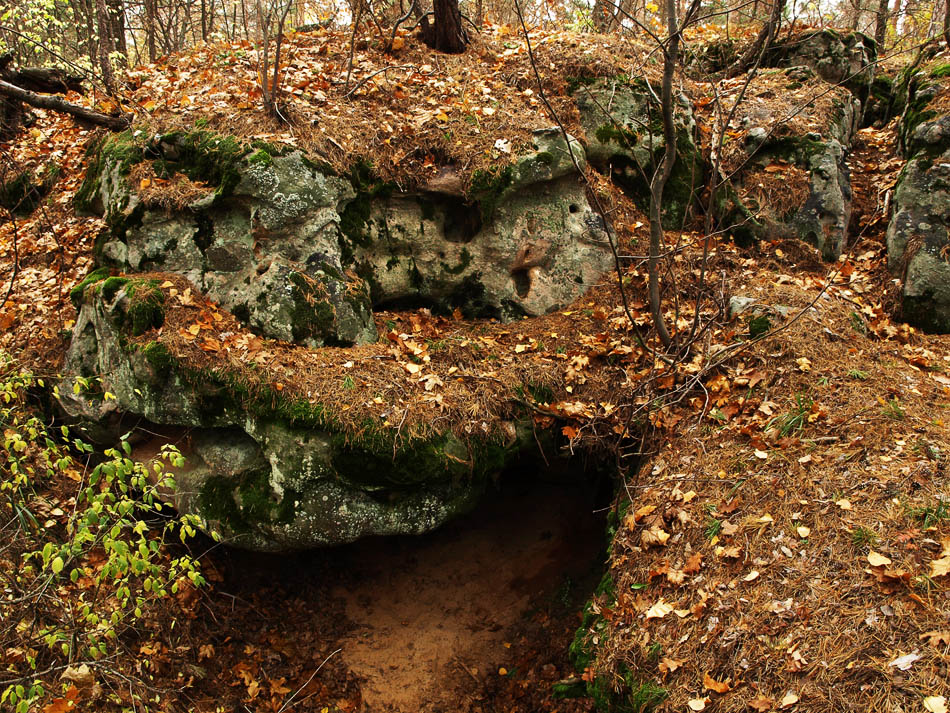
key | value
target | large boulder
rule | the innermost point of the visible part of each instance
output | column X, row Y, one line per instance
column 843, row 58
column 785, row 162
column 266, row 471
column 623, row 124
column 918, row 246
column 524, row 241
column 301, row 254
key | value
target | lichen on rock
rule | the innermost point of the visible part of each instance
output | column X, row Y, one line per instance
column 917, row 235
column 265, row 471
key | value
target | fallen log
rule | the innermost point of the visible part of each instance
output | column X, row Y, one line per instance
column 53, row 103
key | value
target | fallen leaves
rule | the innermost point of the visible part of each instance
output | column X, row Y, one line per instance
column 876, row 559
column 659, row 610
column 935, row 704
column 711, row 684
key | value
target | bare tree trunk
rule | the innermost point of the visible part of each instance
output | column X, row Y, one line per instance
column 42, row 101
column 663, row 172
column 150, row 12
column 880, row 26
column 117, row 28
column 946, row 23
column 446, row 33
column 106, row 47
column 763, row 40
column 602, row 15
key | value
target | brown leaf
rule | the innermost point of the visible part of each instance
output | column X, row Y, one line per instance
column 694, row 564
column 718, row 686
column 761, row 703
column 937, row 638
column 668, row 665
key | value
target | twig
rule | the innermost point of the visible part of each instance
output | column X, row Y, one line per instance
column 288, row 703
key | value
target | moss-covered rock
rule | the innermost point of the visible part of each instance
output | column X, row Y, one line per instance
column 843, row 58
column 524, row 241
column 624, row 127
column 301, row 254
column 918, row 235
column 787, row 179
column 23, row 192
column 266, row 471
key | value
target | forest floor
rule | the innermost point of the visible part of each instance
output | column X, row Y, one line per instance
column 786, row 547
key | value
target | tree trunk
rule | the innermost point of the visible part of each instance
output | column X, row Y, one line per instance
column 117, row 26
column 946, row 23
column 602, row 15
column 106, row 48
column 446, row 34
column 763, row 41
column 880, row 26
column 11, row 110
column 150, row 12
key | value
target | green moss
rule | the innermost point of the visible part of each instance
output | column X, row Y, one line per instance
column 465, row 259
column 111, row 286
column 260, row 158
column 313, row 315
column 618, row 134
column 123, row 149
column 354, row 219
column 203, row 156
column 375, row 459
column 242, row 504
column 24, row 192
column 488, row 187
column 77, row 292
column 575, row 83
column 158, row 357
column 941, row 70
column 146, row 302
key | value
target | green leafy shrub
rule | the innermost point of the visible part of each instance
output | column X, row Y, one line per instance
column 84, row 580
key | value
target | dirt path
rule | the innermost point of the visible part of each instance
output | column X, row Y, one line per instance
column 432, row 615
column 422, row 624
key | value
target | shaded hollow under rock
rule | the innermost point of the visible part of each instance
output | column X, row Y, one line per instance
column 424, row 624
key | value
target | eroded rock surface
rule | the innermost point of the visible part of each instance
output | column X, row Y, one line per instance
column 788, row 176
column 918, row 235
column 302, row 255
column 267, row 472
column 624, row 127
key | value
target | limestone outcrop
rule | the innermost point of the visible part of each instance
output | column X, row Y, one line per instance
column 301, row 254
column 267, row 471
column 918, row 241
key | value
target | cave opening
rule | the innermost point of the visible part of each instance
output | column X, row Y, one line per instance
column 472, row 611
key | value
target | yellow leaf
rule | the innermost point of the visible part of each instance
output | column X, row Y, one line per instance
column 659, row 610
column 878, row 560
column 940, row 567
column 399, row 43
column 718, row 686
column 935, row 704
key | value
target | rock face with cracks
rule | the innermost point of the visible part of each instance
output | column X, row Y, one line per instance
column 268, row 473
column 917, row 235
column 822, row 215
column 624, row 126
column 302, row 255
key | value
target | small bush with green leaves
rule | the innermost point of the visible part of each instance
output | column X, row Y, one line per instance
column 84, row 581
